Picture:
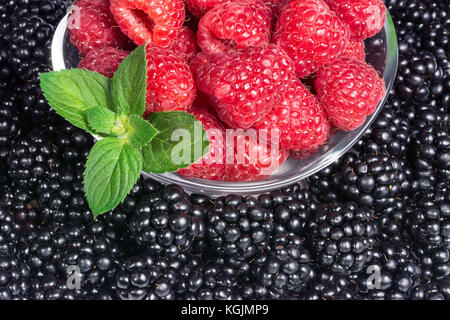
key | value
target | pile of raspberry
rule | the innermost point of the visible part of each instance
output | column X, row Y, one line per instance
column 293, row 72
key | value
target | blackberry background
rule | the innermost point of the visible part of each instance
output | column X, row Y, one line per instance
column 162, row 243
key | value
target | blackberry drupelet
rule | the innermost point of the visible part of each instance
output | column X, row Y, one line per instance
column 285, row 268
column 342, row 236
column 32, row 159
column 434, row 261
column 239, row 227
column 164, row 223
column 429, row 220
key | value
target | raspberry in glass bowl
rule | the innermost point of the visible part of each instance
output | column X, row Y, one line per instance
column 381, row 53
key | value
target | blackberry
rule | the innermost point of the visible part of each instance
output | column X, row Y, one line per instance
column 239, row 227
column 14, row 275
column 429, row 220
column 164, row 224
column 434, row 261
column 200, row 280
column 342, row 236
column 388, row 135
column 430, row 155
column 285, row 268
column 437, row 290
column 9, row 124
column 329, row 286
column 392, row 219
column 371, row 180
column 32, row 159
column 292, row 210
column 146, row 277
column 398, row 272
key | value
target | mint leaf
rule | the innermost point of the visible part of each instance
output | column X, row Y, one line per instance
column 72, row 92
column 112, row 169
column 140, row 131
column 130, row 82
column 180, row 142
column 101, row 120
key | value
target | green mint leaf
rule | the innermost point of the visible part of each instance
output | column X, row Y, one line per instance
column 72, row 92
column 181, row 141
column 101, row 120
column 112, row 169
column 130, row 82
column 140, row 132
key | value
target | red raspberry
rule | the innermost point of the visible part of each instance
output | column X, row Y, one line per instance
column 311, row 34
column 251, row 159
column 104, row 60
column 91, row 26
column 212, row 165
column 157, row 21
column 243, row 85
column 234, row 25
column 349, row 90
column 299, row 119
column 355, row 50
column 198, row 8
column 185, row 44
column 365, row 18
column 170, row 84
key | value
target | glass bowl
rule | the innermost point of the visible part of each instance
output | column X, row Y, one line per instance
column 385, row 61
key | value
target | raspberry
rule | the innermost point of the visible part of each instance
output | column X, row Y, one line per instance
column 170, row 84
column 104, row 60
column 299, row 119
column 365, row 18
column 349, row 90
column 185, row 44
column 234, row 25
column 251, row 157
column 243, row 85
column 212, row 165
column 198, row 8
column 311, row 34
column 153, row 21
column 91, row 26
column 355, row 50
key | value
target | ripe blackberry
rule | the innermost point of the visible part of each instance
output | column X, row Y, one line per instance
column 434, row 260
column 430, row 155
column 239, row 227
column 292, row 208
column 437, row 290
column 421, row 78
column 200, row 280
column 32, row 159
column 391, row 221
column 389, row 134
column 285, row 268
column 342, row 236
column 372, row 180
column 146, row 277
column 10, row 125
column 398, row 272
column 164, row 224
column 329, row 286
column 429, row 220
column 29, row 46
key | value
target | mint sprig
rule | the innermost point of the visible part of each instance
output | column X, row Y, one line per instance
column 113, row 109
